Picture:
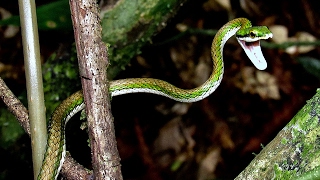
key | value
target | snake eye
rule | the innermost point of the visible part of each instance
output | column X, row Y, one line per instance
column 252, row 34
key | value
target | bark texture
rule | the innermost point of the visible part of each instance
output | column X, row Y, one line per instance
column 294, row 151
column 92, row 58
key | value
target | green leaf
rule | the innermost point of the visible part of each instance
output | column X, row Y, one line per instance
column 52, row 16
column 311, row 65
column 10, row 129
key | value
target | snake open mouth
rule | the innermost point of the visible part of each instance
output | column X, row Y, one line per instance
column 253, row 51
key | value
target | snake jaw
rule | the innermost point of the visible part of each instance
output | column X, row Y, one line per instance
column 253, row 51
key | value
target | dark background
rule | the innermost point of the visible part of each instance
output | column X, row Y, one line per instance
column 213, row 138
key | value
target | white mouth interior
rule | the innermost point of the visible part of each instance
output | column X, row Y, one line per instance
column 253, row 51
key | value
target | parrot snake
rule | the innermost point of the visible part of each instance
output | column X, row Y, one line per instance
column 248, row 37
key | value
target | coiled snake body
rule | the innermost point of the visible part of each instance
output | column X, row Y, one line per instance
column 247, row 36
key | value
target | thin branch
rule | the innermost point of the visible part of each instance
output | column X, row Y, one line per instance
column 265, row 44
column 15, row 106
column 72, row 170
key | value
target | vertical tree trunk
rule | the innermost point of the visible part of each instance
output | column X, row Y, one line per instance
column 92, row 57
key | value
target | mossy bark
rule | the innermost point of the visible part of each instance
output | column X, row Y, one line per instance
column 294, row 152
column 130, row 24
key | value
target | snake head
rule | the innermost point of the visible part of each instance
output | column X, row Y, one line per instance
column 249, row 39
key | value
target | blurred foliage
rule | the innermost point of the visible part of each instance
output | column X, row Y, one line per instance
column 10, row 129
column 52, row 16
column 129, row 25
column 61, row 78
column 310, row 64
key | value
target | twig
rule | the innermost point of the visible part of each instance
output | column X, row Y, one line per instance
column 285, row 45
column 15, row 106
column 266, row 44
column 72, row 170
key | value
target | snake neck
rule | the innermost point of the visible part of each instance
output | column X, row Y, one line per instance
column 220, row 39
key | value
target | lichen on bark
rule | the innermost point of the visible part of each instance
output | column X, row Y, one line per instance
column 294, row 151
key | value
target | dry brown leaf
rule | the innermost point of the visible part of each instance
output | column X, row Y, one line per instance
column 142, row 62
column 208, row 164
column 10, row 31
column 180, row 108
column 217, row 5
column 267, row 87
column 9, row 71
column 182, row 27
column 223, row 132
column 258, row 82
column 280, row 33
column 301, row 37
column 173, row 136
column 204, row 68
column 251, row 7
column 182, row 57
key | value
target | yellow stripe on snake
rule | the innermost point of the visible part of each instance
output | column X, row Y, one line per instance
column 248, row 37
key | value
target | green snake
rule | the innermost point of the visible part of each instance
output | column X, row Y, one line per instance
column 247, row 36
